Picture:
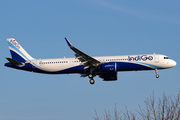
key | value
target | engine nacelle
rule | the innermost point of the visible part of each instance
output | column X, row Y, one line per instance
column 109, row 67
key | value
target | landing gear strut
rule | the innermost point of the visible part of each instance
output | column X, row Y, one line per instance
column 156, row 71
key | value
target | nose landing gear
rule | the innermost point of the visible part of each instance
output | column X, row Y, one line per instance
column 157, row 75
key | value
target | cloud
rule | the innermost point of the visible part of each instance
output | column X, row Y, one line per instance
column 137, row 13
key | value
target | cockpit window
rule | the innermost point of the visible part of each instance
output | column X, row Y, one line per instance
column 166, row 57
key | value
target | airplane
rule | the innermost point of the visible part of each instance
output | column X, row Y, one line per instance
column 106, row 67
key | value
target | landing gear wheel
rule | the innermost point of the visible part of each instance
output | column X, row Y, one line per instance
column 92, row 81
column 157, row 76
column 90, row 76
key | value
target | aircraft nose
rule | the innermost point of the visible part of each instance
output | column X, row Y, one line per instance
column 173, row 63
column 170, row 63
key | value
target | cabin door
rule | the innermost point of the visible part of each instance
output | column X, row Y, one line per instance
column 71, row 62
column 156, row 58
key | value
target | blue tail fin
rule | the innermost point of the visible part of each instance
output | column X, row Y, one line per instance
column 17, row 52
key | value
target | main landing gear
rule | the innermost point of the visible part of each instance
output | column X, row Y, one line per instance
column 91, row 79
column 156, row 71
column 91, row 76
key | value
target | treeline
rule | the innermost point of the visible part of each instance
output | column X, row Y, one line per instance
column 165, row 108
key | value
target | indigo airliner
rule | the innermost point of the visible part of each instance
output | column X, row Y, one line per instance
column 106, row 67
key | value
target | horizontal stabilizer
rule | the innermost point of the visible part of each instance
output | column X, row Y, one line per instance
column 14, row 62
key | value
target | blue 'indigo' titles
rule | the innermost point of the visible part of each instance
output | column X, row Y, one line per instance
column 139, row 58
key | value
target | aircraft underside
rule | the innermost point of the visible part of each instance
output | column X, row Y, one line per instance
column 109, row 74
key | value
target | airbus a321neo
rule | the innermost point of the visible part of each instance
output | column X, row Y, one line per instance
column 106, row 67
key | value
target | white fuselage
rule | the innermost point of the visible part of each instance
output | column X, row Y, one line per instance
column 158, row 62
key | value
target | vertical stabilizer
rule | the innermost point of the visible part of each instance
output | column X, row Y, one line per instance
column 17, row 52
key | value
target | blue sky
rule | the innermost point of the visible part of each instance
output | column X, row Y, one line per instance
column 97, row 27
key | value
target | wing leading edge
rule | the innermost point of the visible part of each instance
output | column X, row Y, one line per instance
column 85, row 59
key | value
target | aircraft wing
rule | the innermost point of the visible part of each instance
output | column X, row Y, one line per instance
column 85, row 59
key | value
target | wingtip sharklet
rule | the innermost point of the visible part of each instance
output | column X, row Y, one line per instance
column 69, row 44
